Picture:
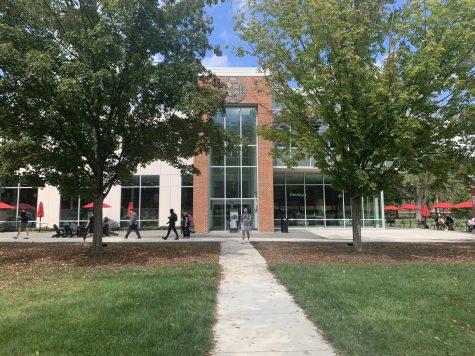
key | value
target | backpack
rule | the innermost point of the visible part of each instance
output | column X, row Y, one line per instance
column 174, row 217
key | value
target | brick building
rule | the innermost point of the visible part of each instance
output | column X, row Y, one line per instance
column 248, row 178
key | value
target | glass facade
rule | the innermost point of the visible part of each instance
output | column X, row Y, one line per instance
column 306, row 199
column 233, row 178
column 21, row 196
column 71, row 210
column 144, row 193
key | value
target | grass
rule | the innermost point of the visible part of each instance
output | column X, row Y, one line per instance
column 412, row 309
column 147, row 311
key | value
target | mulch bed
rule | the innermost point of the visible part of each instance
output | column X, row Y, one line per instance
column 27, row 255
column 374, row 252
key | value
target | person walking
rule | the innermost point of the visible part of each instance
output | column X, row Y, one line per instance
column 133, row 225
column 89, row 227
column 192, row 223
column 182, row 232
column 246, row 224
column 24, row 220
column 186, row 226
column 171, row 225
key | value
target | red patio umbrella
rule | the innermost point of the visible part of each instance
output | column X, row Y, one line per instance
column 130, row 208
column 91, row 205
column 464, row 205
column 6, row 206
column 425, row 211
column 443, row 205
column 25, row 206
column 391, row 208
column 40, row 212
column 409, row 207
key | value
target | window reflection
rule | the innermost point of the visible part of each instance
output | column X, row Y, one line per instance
column 307, row 199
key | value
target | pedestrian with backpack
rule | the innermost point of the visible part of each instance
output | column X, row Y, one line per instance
column 172, row 225
column 24, row 220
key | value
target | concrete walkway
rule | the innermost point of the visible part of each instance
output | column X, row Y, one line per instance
column 256, row 315
column 315, row 235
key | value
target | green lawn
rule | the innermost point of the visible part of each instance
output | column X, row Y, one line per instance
column 413, row 309
column 148, row 311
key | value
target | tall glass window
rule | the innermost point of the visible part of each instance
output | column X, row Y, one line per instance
column 22, row 196
column 307, row 199
column 233, row 178
column 71, row 210
column 143, row 193
column 187, row 194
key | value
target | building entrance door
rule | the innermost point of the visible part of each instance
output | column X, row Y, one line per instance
column 217, row 215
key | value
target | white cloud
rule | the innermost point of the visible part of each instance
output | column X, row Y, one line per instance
column 238, row 4
column 215, row 61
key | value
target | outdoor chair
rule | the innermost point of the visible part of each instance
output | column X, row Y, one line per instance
column 108, row 228
column 59, row 232
column 74, row 231
column 71, row 230
column 67, row 231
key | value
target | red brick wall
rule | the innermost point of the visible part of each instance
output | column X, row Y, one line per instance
column 200, row 194
column 256, row 94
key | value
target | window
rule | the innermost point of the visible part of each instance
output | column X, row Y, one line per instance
column 187, row 194
column 143, row 193
column 233, row 179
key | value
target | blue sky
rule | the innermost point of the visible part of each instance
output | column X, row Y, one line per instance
column 224, row 35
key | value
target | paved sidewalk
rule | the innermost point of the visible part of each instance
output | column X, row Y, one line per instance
column 316, row 235
column 256, row 315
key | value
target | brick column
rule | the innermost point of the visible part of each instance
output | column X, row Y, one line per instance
column 200, row 194
column 266, row 187
column 265, row 164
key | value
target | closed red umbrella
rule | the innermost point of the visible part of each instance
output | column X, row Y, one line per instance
column 464, row 205
column 6, row 206
column 130, row 208
column 91, row 205
column 425, row 211
column 443, row 205
column 40, row 212
column 391, row 208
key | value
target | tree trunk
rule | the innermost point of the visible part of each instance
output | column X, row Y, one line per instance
column 356, row 223
column 419, row 198
column 97, row 233
column 421, row 193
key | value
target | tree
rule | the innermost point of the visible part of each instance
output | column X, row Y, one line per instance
column 367, row 88
column 90, row 89
column 427, row 188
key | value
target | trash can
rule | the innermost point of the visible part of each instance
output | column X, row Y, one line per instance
column 284, row 225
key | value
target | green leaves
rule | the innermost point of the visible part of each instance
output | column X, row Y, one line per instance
column 386, row 81
column 82, row 99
